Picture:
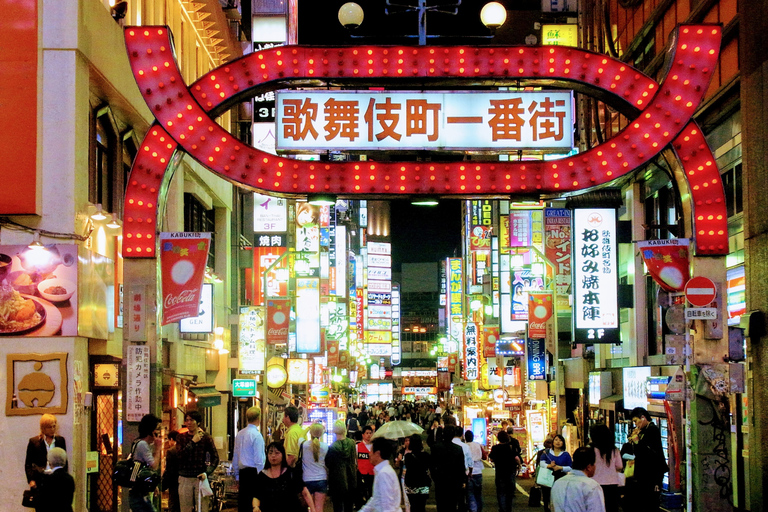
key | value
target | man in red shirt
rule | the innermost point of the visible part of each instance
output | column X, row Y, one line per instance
column 364, row 467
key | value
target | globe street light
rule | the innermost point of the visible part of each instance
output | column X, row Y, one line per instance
column 493, row 15
column 350, row 15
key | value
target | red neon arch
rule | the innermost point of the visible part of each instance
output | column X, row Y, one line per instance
column 184, row 122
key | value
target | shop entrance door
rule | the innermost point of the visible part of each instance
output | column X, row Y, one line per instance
column 103, row 492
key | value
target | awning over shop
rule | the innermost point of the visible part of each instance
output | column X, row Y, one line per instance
column 206, row 395
column 612, row 403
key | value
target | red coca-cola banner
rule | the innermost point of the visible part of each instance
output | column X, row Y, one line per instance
column 278, row 315
column 182, row 262
column 490, row 337
column 333, row 353
column 343, row 359
column 539, row 311
column 667, row 262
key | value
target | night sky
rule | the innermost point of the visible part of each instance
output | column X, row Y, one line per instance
column 423, row 234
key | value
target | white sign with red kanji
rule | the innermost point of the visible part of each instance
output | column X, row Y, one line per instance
column 137, row 382
column 417, row 120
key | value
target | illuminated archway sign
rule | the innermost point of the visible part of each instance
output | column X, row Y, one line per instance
column 185, row 122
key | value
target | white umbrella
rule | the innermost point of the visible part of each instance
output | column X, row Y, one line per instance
column 398, row 429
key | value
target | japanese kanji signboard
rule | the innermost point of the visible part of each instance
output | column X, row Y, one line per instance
column 137, row 383
column 471, row 355
column 557, row 248
column 416, row 120
column 595, row 282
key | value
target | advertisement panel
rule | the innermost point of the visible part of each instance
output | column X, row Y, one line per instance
column 471, row 356
column 380, row 286
column 667, row 262
column 270, row 214
column 42, row 295
column 481, row 223
column 278, row 317
column 455, row 287
column 252, row 346
column 377, row 337
column 595, row 276
column 557, row 249
column 203, row 322
column 183, row 257
column 298, row 371
column 308, row 315
column 539, row 311
column 307, row 227
column 490, row 337
column 383, row 120
column 379, row 260
column 537, row 359
column 277, row 278
column 634, row 381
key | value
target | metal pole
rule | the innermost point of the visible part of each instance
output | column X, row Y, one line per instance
column 422, row 22
column 264, row 387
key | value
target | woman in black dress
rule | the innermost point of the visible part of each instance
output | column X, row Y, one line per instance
column 416, row 474
column 279, row 488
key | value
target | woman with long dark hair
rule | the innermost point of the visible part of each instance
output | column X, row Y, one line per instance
column 608, row 464
column 416, row 474
column 278, row 486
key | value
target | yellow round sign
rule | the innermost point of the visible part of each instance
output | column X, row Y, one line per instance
column 276, row 376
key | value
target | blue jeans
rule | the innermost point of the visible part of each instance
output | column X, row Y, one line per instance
column 475, row 493
column 140, row 503
column 505, row 492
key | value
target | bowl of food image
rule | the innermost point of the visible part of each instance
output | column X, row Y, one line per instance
column 24, row 282
column 19, row 313
column 56, row 289
column 5, row 265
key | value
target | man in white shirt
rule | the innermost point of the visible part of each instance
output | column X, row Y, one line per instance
column 468, row 462
column 577, row 491
column 248, row 459
column 475, row 484
column 386, row 488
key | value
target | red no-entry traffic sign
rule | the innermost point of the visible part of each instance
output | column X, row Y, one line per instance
column 700, row 291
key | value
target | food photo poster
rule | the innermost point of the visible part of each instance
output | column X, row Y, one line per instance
column 38, row 290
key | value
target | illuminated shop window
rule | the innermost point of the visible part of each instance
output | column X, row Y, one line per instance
column 732, row 182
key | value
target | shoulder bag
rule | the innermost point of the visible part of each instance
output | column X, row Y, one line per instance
column 135, row 474
column 545, row 476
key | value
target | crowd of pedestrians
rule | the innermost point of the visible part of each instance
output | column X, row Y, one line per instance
column 363, row 472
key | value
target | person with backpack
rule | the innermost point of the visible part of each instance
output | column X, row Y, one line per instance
column 144, row 449
column 352, row 425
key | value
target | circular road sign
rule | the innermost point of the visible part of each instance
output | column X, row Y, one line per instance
column 700, row 291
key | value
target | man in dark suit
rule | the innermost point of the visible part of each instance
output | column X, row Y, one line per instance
column 38, row 449
column 58, row 488
column 448, row 472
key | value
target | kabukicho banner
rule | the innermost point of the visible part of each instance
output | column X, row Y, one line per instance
column 667, row 262
column 539, row 311
column 182, row 261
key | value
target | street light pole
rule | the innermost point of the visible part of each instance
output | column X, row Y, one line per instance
column 264, row 387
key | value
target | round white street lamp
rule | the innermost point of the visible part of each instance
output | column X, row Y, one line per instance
column 493, row 15
column 351, row 15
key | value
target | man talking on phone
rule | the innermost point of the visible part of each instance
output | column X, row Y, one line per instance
column 197, row 460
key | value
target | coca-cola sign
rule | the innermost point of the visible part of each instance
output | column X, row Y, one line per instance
column 182, row 261
column 278, row 316
column 539, row 311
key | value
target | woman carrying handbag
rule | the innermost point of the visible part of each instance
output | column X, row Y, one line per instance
column 555, row 463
